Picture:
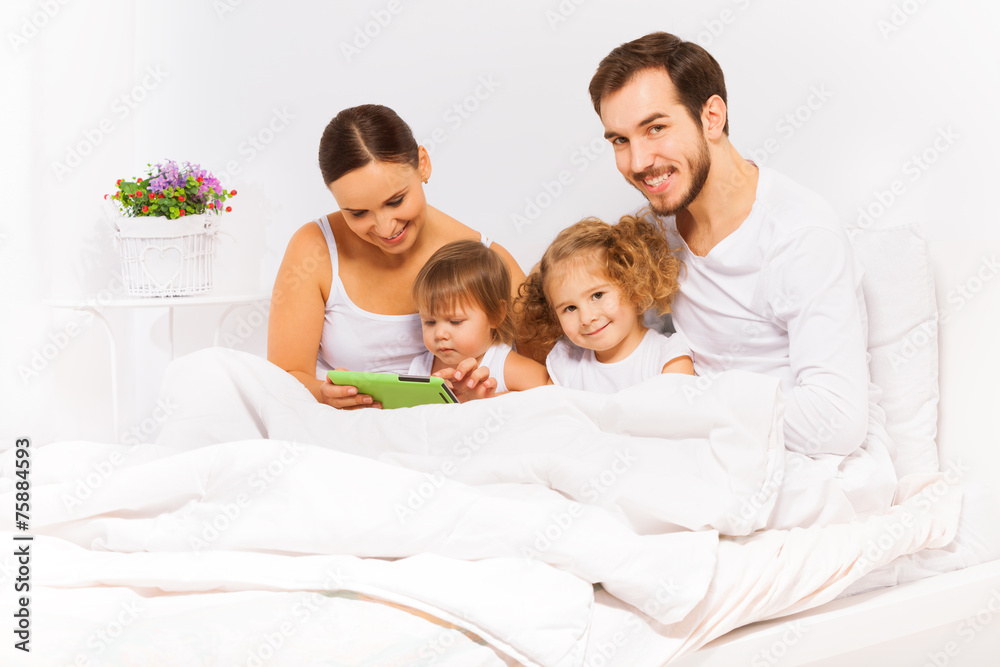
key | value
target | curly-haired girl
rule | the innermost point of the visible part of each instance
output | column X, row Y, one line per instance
column 588, row 296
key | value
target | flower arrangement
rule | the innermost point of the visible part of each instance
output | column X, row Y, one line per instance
column 171, row 190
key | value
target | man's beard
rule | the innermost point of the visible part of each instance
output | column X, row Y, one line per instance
column 700, row 167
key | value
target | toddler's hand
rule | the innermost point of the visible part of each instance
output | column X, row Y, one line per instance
column 469, row 380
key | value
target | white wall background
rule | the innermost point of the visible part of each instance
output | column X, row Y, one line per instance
column 93, row 90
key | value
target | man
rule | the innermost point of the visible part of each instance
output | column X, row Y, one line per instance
column 770, row 282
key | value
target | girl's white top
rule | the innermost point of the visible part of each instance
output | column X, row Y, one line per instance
column 578, row 368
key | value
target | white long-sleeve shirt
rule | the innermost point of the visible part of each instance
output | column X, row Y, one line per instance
column 781, row 295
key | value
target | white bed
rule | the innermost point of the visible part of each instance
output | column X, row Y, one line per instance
column 932, row 621
column 171, row 557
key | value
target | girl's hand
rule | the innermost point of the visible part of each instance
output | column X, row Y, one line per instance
column 345, row 397
column 469, row 381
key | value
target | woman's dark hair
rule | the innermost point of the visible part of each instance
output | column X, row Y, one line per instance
column 363, row 134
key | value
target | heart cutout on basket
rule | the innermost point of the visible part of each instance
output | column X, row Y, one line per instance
column 162, row 265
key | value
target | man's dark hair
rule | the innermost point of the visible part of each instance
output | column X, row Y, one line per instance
column 694, row 72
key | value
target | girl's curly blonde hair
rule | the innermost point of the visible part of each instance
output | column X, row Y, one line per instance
column 634, row 254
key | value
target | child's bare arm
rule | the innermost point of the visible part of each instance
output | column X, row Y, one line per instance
column 520, row 373
column 679, row 365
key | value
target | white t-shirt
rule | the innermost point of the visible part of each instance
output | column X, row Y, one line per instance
column 781, row 295
column 578, row 368
column 495, row 359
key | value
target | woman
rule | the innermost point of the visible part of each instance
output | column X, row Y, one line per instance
column 342, row 295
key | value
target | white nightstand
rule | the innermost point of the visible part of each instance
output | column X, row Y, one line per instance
column 121, row 301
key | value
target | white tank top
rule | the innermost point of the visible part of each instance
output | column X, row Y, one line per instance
column 576, row 368
column 495, row 359
column 359, row 340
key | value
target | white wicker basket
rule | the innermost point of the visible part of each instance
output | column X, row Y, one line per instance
column 162, row 257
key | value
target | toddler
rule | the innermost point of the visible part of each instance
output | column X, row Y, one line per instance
column 463, row 294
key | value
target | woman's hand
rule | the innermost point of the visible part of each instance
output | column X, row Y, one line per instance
column 345, row 397
column 469, row 381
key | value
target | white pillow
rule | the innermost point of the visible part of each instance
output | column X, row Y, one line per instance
column 902, row 339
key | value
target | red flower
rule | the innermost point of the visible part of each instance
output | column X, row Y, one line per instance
column 200, row 179
column 181, row 198
column 118, row 182
column 232, row 193
column 140, row 193
column 210, row 204
column 228, row 209
column 105, row 196
column 145, row 208
column 183, row 212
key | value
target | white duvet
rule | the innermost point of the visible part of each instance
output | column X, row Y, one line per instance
column 549, row 527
